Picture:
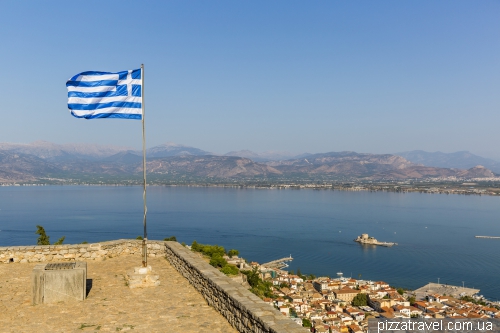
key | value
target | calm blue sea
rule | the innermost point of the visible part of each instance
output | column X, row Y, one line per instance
column 435, row 232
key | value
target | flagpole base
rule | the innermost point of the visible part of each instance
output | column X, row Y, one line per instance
column 142, row 277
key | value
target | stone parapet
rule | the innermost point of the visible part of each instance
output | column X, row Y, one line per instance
column 245, row 311
column 78, row 252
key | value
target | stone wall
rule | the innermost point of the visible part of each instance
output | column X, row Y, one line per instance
column 78, row 252
column 245, row 311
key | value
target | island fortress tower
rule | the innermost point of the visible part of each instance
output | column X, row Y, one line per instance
column 365, row 239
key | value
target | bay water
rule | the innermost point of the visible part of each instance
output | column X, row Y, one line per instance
column 435, row 232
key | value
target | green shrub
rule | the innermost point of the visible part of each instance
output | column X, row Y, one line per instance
column 230, row 270
column 218, row 261
column 195, row 246
column 259, row 287
column 60, row 240
column 360, row 300
column 209, row 250
column 44, row 239
column 216, row 254
column 213, row 250
column 233, row 253
column 171, row 238
column 472, row 300
column 252, row 277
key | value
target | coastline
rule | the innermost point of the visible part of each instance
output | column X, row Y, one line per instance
column 459, row 188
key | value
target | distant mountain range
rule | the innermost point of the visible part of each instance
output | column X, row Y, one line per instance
column 265, row 156
column 210, row 166
column 459, row 160
column 370, row 166
column 173, row 149
column 41, row 159
column 52, row 151
column 56, row 152
column 21, row 167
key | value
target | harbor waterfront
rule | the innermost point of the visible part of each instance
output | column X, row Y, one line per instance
column 435, row 233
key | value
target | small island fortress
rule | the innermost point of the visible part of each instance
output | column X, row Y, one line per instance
column 365, row 239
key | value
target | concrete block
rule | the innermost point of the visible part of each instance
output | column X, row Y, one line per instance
column 37, row 283
column 59, row 285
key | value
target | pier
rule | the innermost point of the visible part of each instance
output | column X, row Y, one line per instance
column 279, row 263
column 442, row 289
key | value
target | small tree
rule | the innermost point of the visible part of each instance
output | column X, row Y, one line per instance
column 43, row 239
column 171, row 238
column 195, row 246
column 360, row 300
column 252, row 277
column 60, row 240
column 306, row 322
column 233, row 253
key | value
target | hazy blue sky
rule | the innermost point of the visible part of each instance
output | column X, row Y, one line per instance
column 300, row 76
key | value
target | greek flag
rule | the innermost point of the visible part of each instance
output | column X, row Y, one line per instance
column 106, row 95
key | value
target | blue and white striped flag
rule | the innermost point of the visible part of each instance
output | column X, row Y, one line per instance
column 106, row 95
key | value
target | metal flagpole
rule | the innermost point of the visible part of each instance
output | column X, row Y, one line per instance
column 145, row 239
